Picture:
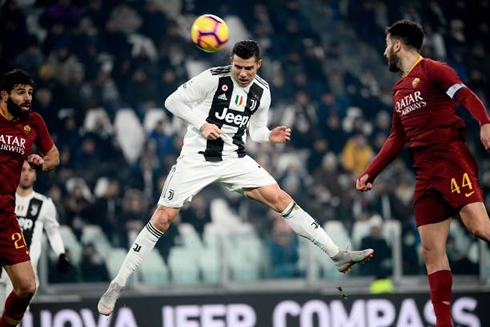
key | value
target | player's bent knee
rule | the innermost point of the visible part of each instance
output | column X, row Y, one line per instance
column 26, row 291
column 282, row 198
column 431, row 253
column 481, row 231
column 162, row 218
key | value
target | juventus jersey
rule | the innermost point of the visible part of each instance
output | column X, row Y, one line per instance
column 215, row 97
column 35, row 213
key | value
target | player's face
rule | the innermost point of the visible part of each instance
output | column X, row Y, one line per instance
column 27, row 176
column 244, row 70
column 390, row 54
column 19, row 101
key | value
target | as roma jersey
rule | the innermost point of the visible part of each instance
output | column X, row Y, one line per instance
column 16, row 141
column 423, row 104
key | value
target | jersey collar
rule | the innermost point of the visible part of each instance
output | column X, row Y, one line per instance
column 419, row 59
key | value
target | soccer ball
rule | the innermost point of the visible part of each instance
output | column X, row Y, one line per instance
column 209, row 33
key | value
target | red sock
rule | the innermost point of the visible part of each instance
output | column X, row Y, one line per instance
column 14, row 310
column 440, row 284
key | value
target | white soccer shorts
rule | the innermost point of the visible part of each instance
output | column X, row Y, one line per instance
column 191, row 174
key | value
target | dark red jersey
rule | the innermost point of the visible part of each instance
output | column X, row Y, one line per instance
column 424, row 111
column 423, row 102
column 16, row 141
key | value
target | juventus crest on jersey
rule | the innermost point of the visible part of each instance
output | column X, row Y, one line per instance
column 218, row 99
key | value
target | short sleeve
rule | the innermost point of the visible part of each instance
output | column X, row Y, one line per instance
column 446, row 78
column 43, row 140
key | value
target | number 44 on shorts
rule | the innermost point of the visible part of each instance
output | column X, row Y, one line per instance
column 464, row 183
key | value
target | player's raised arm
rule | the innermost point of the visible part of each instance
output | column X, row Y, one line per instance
column 391, row 148
column 448, row 80
column 475, row 106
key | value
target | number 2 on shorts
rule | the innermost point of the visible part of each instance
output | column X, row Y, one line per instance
column 19, row 241
column 464, row 183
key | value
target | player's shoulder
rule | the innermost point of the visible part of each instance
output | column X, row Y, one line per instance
column 35, row 118
column 42, row 197
column 435, row 64
column 220, row 70
column 261, row 82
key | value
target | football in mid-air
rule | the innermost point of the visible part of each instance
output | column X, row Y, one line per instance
column 210, row 33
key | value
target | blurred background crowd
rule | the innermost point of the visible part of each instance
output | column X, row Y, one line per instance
column 104, row 69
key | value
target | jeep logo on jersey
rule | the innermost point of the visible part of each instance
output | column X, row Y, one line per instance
column 25, row 223
column 232, row 117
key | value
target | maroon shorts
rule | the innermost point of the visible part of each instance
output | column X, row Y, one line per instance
column 13, row 248
column 446, row 180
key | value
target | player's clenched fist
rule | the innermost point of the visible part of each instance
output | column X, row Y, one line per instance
column 210, row 131
column 35, row 161
column 362, row 184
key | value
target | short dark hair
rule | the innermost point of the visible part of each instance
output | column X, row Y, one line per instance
column 246, row 49
column 16, row 77
column 410, row 33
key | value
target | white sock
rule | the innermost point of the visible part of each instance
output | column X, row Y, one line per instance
column 142, row 246
column 304, row 225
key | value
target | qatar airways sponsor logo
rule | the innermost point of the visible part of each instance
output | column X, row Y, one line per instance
column 410, row 103
column 12, row 143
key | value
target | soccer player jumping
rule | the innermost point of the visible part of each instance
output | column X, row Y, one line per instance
column 446, row 172
column 220, row 105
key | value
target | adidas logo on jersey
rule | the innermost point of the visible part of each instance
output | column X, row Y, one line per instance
column 223, row 97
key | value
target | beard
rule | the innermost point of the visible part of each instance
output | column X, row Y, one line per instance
column 25, row 186
column 17, row 110
column 392, row 61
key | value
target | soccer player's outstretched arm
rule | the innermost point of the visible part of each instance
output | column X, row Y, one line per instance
column 180, row 103
column 475, row 106
column 391, row 148
column 258, row 130
column 449, row 82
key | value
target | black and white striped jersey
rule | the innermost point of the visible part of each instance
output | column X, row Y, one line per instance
column 215, row 97
column 35, row 213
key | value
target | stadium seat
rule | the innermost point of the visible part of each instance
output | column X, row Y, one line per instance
column 223, row 216
column 183, row 265
column 210, row 264
column 153, row 270
column 317, row 261
column 71, row 243
column 114, row 260
column 212, row 235
column 245, row 254
column 461, row 238
column 336, row 230
column 391, row 231
column 94, row 116
column 360, row 229
column 131, row 143
column 94, row 234
column 152, row 117
column 190, row 238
